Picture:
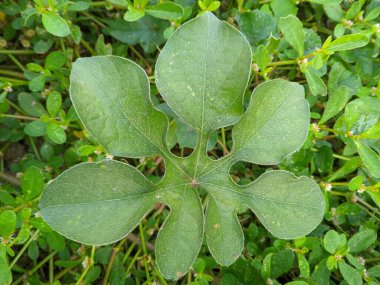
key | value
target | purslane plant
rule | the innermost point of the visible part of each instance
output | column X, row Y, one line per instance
column 202, row 73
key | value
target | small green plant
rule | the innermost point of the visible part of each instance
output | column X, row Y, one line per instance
column 202, row 73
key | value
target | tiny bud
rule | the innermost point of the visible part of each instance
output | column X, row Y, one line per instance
column 361, row 260
column 255, row 67
column 86, row 262
column 328, row 187
column 30, row 33
column 3, row 43
column 302, row 61
column 25, row 43
column 362, row 188
column 347, row 23
column 315, row 127
column 8, row 89
column 373, row 91
column 109, row 156
column 97, row 151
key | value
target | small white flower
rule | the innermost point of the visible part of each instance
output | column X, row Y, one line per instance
column 328, row 187
column 373, row 91
column 255, row 67
column 8, row 89
column 303, row 61
column 109, row 156
column 362, row 188
column 315, row 127
column 347, row 23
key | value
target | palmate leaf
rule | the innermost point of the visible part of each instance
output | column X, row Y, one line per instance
column 202, row 73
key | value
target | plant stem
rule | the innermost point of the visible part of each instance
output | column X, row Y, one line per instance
column 284, row 62
column 87, row 46
column 14, row 106
column 13, row 80
column 145, row 252
column 133, row 261
column 115, row 250
column 18, row 117
column 88, row 266
column 141, row 58
column 26, row 245
column 16, row 61
column 10, row 51
column 12, row 73
column 33, row 144
column 334, row 155
column 9, row 178
column 51, row 271
column 372, row 259
column 29, row 273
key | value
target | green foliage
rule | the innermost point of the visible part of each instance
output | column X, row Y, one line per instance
column 128, row 125
column 261, row 142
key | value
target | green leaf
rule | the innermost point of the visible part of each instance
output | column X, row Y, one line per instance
column 148, row 32
column 55, row 60
column 7, row 199
column 350, row 274
column 281, row 263
column 348, row 42
column 303, row 265
column 56, row 133
column 316, row 84
column 180, row 238
column 362, row 240
column 5, row 272
column 375, row 196
column 32, row 183
column 202, row 85
column 36, row 129
column 30, row 104
column 116, row 109
column 374, row 271
column 53, row 103
column 55, row 24
column 7, row 223
column 37, row 83
column 79, row 6
column 349, row 167
column 370, row 158
column 259, row 137
column 331, row 241
column 257, row 26
column 224, row 235
column 261, row 57
column 283, row 8
column 133, row 14
column 166, row 11
column 213, row 6
column 292, row 29
column 338, row 99
column 99, row 203
column 73, row 199
column 279, row 209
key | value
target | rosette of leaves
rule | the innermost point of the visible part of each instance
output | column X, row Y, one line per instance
column 202, row 73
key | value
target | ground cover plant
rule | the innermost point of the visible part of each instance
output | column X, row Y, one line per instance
column 253, row 144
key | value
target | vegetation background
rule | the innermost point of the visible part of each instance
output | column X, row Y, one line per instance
column 331, row 47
